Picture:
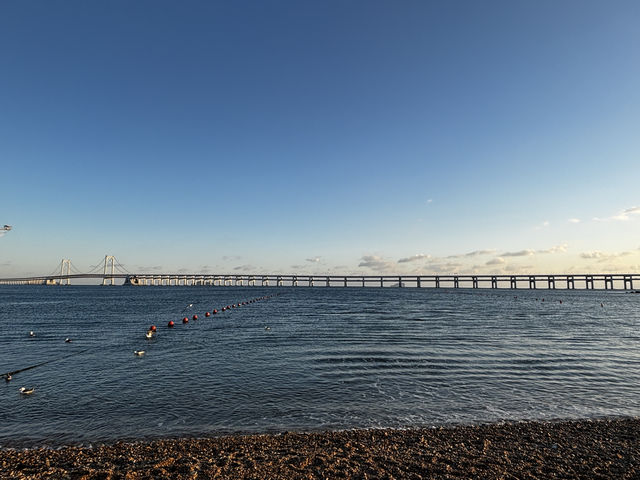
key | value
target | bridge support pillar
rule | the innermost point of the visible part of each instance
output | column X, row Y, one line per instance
column 571, row 283
column 474, row 281
column 456, row 282
column 418, row 283
column 551, row 282
column 608, row 282
column 494, row 282
column 437, row 282
column 399, row 282
column 345, row 281
column 513, row 282
column 628, row 280
column 328, row 282
column 381, row 282
column 588, row 280
column 532, row 282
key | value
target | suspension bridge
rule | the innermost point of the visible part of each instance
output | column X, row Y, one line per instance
column 112, row 272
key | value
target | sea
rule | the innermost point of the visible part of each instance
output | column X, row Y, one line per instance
column 306, row 359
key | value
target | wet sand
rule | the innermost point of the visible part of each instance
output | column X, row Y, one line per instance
column 527, row 450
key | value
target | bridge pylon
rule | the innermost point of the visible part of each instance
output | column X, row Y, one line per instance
column 65, row 264
column 109, row 259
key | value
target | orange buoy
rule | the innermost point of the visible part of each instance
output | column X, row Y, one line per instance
column 170, row 324
column 207, row 314
column 152, row 328
column 195, row 317
column 185, row 320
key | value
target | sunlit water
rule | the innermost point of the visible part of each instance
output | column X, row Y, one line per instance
column 333, row 358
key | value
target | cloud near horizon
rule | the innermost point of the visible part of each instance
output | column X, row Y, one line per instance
column 376, row 262
column 419, row 256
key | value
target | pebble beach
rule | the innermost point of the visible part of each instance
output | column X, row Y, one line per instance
column 606, row 448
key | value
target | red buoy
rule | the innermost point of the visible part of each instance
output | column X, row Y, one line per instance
column 215, row 311
column 207, row 314
column 195, row 317
column 185, row 320
column 170, row 324
column 152, row 328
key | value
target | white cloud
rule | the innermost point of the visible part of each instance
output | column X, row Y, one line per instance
column 574, row 220
column 313, row 260
column 419, row 256
column 375, row 262
column 555, row 249
column 521, row 253
column 603, row 256
column 475, row 253
column 496, row 261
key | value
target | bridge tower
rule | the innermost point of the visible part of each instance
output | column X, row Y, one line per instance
column 109, row 259
column 65, row 264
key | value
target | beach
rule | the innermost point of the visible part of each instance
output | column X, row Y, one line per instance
column 605, row 448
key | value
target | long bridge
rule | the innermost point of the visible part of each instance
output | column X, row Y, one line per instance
column 113, row 272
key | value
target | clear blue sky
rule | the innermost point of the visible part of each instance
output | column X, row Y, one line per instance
column 333, row 136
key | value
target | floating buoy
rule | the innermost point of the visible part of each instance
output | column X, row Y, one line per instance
column 170, row 324
column 215, row 311
column 195, row 317
column 207, row 314
column 185, row 320
column 152, row 328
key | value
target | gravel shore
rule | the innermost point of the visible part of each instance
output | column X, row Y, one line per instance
column 526, row 450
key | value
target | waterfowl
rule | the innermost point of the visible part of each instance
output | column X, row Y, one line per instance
column 149, row 334
column 67, row 340
column 31, row 334
column 26, row 391
column 138, row 352
column 267, row 328
column 7, row 377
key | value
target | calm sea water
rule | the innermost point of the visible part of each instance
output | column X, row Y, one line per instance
column 332, row 359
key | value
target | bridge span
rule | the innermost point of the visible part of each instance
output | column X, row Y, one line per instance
column 551, row 281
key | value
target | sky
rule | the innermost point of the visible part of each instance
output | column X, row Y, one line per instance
column 355, row 137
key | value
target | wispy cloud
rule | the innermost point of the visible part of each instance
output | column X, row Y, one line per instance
column 603, row 256
column 155, row 268
column 313, row 260
column 245, row 268
column 574, row 220
column 375, row 262
column 627, row 213
column 496, row 261
column 414, row 258
column 475, row 253
column 555, row 249
column 521, row 253
column 234, row 258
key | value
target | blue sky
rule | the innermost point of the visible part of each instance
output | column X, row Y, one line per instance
column 312, row 137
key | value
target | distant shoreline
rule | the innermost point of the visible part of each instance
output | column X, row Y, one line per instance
column 603, row 448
